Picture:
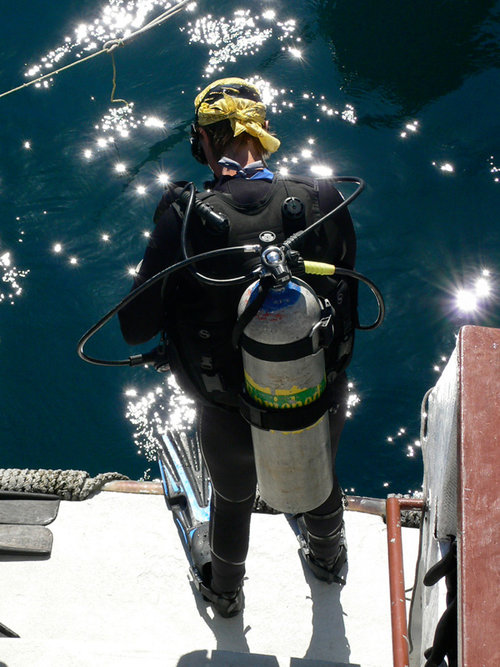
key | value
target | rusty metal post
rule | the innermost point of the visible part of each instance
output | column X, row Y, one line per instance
column 397, row 584
column 397, row 577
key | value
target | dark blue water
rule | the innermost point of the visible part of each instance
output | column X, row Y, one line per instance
column 405, row 95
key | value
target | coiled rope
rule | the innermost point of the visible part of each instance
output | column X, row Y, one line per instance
column 67, row 484
column 108, row 47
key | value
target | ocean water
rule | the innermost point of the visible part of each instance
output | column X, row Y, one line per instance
column 402, row 94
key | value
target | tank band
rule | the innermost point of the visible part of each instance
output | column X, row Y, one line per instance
column 291, row 419
column 299, row 349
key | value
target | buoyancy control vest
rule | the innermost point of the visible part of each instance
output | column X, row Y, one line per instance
column 201, row 318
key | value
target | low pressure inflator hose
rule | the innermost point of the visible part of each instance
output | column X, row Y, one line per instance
column 323, row 269
column 319, row 268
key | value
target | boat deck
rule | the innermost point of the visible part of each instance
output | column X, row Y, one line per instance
column 115, row 591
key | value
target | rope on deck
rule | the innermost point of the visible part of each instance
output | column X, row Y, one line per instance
column 67, row 484
column 410, row 518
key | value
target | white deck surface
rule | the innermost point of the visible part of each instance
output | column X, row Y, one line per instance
column 115, row 591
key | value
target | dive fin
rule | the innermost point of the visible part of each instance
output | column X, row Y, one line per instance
column 185, row 482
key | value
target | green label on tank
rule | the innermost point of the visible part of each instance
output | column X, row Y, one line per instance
column 295, row 397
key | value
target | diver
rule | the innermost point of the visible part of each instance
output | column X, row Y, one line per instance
column 231, row 135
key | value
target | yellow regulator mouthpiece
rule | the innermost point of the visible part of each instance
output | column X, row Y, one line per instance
column 319, row 268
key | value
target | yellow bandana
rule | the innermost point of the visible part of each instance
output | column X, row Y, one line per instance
column 245, row 116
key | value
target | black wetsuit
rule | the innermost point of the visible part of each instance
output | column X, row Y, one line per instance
column 224, row 435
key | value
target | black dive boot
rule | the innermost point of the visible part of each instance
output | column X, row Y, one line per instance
column 326, row 569
column 225, row 604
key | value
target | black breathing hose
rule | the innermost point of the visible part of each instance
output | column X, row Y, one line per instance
column 293, row 240
column 378, row 295
column 135, row 360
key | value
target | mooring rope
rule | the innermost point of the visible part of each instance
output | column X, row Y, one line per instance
column 108, row 47
column 67, row 484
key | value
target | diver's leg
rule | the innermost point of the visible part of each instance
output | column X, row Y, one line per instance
column 227, row 448
column 324, row 524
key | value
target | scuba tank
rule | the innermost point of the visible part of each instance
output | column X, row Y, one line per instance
column 285, row 381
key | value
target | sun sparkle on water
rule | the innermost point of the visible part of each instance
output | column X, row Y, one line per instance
column 10, row 278
column 471, row 298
